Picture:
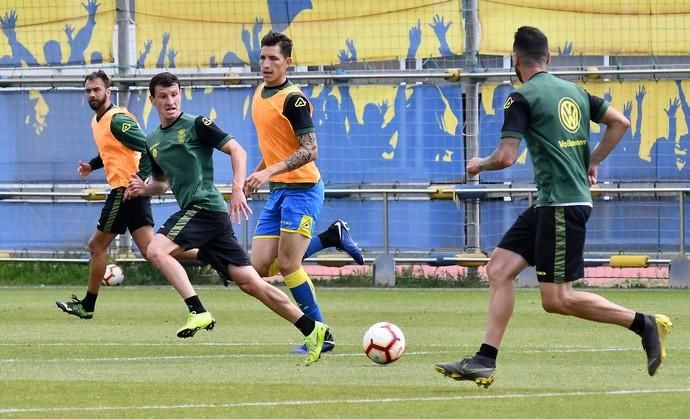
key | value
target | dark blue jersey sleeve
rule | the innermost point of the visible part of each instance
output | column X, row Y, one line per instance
column 597, row 107
column 516, row 116
column 298, row 111
column 209, row 133
column 96, row 162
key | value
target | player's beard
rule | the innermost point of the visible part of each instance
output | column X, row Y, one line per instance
column 96, row 104
column 519, row 75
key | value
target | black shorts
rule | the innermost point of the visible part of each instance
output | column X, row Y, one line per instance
column 209, row 231
column 118, row 215
column 552, row 239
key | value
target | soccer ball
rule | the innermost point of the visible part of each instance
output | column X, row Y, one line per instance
column 384, row 343
column 114, row 275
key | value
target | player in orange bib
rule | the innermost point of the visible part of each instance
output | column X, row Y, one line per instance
column 120, row 144
column 287, row 140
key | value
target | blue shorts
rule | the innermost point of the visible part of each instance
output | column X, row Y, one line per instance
column 290, row 210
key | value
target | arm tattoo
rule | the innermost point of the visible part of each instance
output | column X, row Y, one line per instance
column 305, row 153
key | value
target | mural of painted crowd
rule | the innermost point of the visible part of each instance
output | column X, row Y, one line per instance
column 367, row 133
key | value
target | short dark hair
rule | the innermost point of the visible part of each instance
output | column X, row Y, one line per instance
column 277, row 38
column 100, row 74
column 164, row 79
column 531, row 45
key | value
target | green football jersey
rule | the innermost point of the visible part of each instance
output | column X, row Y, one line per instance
column 553, row 117
column 183, row 153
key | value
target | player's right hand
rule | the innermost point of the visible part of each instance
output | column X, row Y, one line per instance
column 84, row 169
column 135, row 187
column 474, row 166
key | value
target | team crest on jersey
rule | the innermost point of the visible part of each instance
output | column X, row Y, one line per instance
column 206, row 121
column 300, row 102
column 154, row 150
column 305, row 225
column 126, row 126
column 181, row 135
column 508, row 103
column 569, row 114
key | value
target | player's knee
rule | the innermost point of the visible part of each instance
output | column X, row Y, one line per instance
column 288, row 265
column 261, row 269
column 261, row 266
column 549, row 306
column 496, row 273
column 555, row 305
column 96, row 249
column 248, row 285
column 246, row 278
column 154, row 255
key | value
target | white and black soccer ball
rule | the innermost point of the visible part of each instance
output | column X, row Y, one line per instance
column 114, row 275
column 384, row 343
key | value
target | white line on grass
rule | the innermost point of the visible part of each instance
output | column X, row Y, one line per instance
column 574, row 350
column 524, row 350
column 5, row 410
column 143, row 344
column 179, row 357
column 255, row 355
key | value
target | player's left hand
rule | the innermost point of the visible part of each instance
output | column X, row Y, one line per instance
column 592, row 175
column 239, row 206
column 256, row 180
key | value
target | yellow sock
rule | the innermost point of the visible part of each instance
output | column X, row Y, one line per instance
column 302, row 291
column 273, row 269
column 297, row 278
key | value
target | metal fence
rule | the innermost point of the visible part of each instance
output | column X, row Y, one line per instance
column 451, row 87
column 460, row 195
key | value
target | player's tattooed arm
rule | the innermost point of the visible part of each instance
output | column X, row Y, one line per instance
column 308, row 151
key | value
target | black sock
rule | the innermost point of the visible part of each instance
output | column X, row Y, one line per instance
column 89, row 301
column 488, row 351
column 637, row 325
column 194, row 304
column 330, row 237
column 305, row 325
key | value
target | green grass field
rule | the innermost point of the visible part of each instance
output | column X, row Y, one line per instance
column 127, row 362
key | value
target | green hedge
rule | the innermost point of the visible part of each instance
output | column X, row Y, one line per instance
column 56, row 273
column 138, row 273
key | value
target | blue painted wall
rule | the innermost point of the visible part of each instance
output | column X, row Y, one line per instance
column 415, row 137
